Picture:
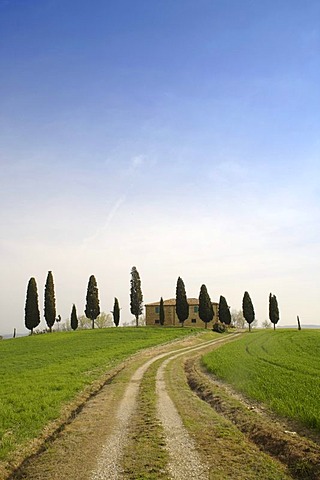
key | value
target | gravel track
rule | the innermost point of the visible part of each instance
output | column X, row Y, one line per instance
column 184, row 458
column 91, row 447
column 108, row 467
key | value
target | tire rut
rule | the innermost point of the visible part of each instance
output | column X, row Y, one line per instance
column 109, row 462
column 184, row 459
column 300, row 454
column 90, row 447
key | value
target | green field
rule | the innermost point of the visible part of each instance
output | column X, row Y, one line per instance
column 41, row 373
column 279, row 368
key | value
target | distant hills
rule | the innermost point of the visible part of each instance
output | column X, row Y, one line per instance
column 312, row 326
column 9, row 335
column 296, row 326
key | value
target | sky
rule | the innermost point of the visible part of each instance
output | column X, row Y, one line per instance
column 178, row 136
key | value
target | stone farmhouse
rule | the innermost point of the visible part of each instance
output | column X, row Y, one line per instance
column 171, row 319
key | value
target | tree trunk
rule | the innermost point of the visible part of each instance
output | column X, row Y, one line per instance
column 137, row 320
column 92, row 323
column 206, row 325
column 249, row 327
column 274, row 326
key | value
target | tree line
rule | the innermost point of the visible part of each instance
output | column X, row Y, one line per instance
column 206, row 312
column 92, row 307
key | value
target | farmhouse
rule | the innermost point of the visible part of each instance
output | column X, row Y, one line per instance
column 171, row 319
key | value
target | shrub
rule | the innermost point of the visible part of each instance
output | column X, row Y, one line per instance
column 219, row 327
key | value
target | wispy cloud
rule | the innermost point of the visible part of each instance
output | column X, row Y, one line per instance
column 102, row 231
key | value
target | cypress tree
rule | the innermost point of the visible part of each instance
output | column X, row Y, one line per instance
column 206, row 312
column 182, row 306
column 224, row 311
column 273, row 310
column 32, row 313
column 136, row 298
column 74, row 318
column 247, row 309
column 92, row 309
column 49, row 302
column 116, row 312
column 161, row 312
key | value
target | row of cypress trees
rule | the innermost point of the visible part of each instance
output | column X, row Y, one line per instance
column 249, row 314
column 206, row 312
column 92, row 308
column 32, row 313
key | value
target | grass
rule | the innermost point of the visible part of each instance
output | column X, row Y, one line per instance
column 222, row 446
column 145, row 456
column 41, row 374
column 278, row 368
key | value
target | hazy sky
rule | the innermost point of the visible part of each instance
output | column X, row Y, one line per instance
column 179, row 136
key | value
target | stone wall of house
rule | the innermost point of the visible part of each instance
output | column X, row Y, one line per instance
column 171, row 319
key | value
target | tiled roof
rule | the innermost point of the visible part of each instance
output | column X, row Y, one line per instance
column 172, row 301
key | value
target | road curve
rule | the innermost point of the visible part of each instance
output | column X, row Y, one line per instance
column 183, row 456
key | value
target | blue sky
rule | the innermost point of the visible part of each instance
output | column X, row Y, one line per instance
column 181, row 137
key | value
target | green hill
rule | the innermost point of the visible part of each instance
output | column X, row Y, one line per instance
column 279, row 368
column 42, row 373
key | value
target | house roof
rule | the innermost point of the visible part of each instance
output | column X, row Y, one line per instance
column 172, row 301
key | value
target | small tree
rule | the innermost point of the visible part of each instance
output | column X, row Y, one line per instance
column 49, row 302
column 84, row 323
column 92, row 306
column 74, row 318
column 32, row 313
column 104, row 320
column 116, row 312
column 206, row 312
column 161, row 312
column 237, row 318
column 266, row 324
column 182, row 306
column 136, row 298
column 273, row 310
column 224, row 311
column 248, row 310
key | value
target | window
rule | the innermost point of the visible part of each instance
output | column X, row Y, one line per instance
column 196, row 309
column 157, row 309
column 157, row 321
column 194, row 320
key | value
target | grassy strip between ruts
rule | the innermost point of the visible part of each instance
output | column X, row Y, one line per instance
column 279, row 368
column 145, row 455
column 40, row 374
column 223, row 447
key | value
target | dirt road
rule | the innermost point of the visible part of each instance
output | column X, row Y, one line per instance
column 148, row 424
